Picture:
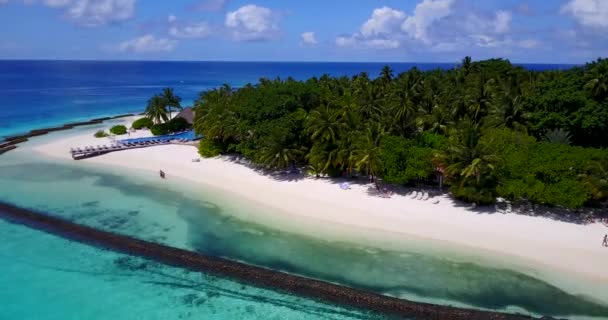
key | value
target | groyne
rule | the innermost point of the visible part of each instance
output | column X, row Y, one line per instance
column 11, row 142
column 261, row 277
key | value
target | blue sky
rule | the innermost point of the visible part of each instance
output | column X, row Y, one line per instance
column 552, row 31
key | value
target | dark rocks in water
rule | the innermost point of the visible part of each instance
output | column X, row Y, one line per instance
column 133, row 213
column 20, row 138
column 7, row 149
column 193, row 300
column 158, row 239
column 250, row 309
column 113, row 223
column 256, row 276
column 90, row 204
column 131, row 264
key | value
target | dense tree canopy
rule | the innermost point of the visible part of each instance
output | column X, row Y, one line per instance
column 490, row 128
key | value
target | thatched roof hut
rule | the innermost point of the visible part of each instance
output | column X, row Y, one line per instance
column 188, row 114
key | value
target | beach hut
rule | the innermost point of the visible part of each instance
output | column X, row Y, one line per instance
column 187, row 114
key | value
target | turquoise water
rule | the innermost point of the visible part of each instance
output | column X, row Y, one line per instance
column 190, row 217
column 47, row 277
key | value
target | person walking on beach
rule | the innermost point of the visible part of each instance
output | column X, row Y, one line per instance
column 162, row 174
column 605, row 243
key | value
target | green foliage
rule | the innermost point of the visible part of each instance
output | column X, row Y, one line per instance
column 142, row 123
column 209, row 149
column 118, row 130
column 101, row 134
column 171, row 126
column 405, row 161
column 554, row 174
column 480, row 123
column 558, row 136
column 177, row 125
column 160, row 106
column 159, row 129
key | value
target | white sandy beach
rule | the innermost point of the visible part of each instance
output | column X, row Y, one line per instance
column 550, row 249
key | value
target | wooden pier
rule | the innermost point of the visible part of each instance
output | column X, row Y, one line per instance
column 91, row 151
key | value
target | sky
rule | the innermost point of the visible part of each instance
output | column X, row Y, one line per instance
column 523, row 31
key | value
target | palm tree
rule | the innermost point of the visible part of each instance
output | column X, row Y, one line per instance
column 471, row 165
column 323, row 124
column 466, row 65
column 386, row 75
column 597, row 83
column 156, row 109
column 402, row 104
column 277, row 156
column 508, row 108
column 558, row 136
column 598, row 86
column 367, row 152
column 596, row 178
column 480, row 99
column 171, row 100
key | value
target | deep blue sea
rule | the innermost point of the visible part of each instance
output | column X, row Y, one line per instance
column 46, row 93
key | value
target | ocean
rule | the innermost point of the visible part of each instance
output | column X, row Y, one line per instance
column 48, row 93
column 47, row 277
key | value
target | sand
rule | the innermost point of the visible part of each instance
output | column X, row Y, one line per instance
column 555, row 251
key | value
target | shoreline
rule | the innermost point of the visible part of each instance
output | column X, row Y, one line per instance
column 545, row 248
column 10, row 142
column 262, row 277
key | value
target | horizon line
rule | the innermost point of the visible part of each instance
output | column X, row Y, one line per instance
column 292, row 61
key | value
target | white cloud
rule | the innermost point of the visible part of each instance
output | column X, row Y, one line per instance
column 589, row 13
column 436, row 25
column 252, row 23
column 100, row 12
column 381, row 31
column 425, row 14
column 90, row 12
column 355, row 42
column 146, row 44
column 502, row 23
column 382, row 43
column 343, row 41
column 211, row 5
column 56, row 3
column 192, row 31
column 529, row 44
column 308, row 39
column 384, row 21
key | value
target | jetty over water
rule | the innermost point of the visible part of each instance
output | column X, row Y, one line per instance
column 92, row 151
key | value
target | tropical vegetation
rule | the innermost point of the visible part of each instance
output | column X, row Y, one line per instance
column 485, row 129
column 160, row 106
column 101, row 134
column 118, row 129
column 158, row 114
column 171, row 126
column 142, row 123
